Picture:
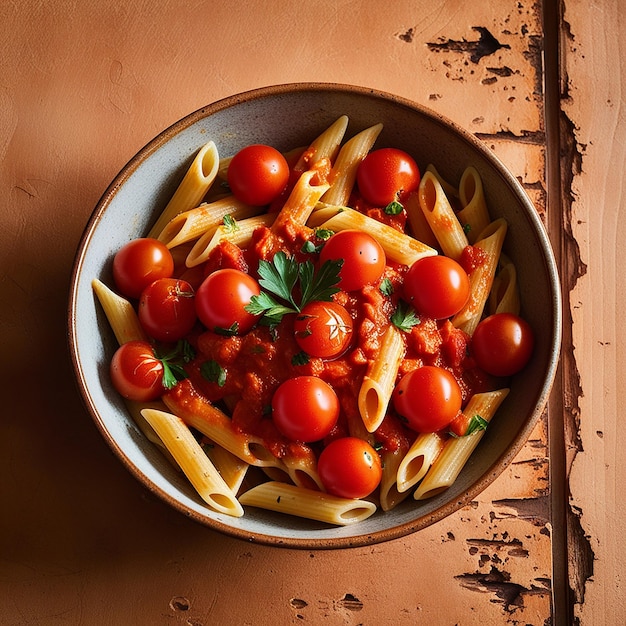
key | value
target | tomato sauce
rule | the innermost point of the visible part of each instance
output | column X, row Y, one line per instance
column 256, row 363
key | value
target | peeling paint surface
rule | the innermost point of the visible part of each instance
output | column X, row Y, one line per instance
column 81, row 91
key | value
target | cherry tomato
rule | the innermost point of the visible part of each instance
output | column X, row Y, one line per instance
column 257, row 174
column 167, row 310
column 139, row 263
column 221, row 300
column 136, row 373
column 363, row 258
column 349, row 468
column 323, row 329
column 386, row 175
column 429, row 398
column 305, row 408
column 437, row 286
column 502, row 344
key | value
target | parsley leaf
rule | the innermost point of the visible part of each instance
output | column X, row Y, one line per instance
column 213, row 372
column 404, row 317
column 476, row 424
column 301, row 358
column 386, row 287
column 173, row 363
column 279, row 279
column 230, row 224
column 394, row 208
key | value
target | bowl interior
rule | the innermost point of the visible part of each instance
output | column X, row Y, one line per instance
column 286, row 117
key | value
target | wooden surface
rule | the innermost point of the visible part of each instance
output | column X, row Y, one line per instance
column 83, row 86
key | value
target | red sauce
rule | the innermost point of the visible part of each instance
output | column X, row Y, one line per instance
column 256, row 363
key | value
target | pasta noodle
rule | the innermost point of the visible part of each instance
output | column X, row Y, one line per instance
column 194, row 463
column 389, row 494
column 191, row 224
column 380, row 379
column 120, row 314
column 309, row 503
column 418, row 460
column 343, row 172
column 325, row 146
column 474, row 215
column 240, row 235
column 195, row 184
column 504, row 295
column 398, row 246
column 490, row 242
column 457, row 450
column 441, row 217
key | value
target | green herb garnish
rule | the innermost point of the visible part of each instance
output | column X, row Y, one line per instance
column 173, row 362
column 213, row 372
column 404, row 317
column 386, row 287
column 394, row 208
column 279, row 279
column 230, row 224
column 476, row 424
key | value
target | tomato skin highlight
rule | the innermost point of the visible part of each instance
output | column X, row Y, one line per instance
column 221, row 298
column 139, row 263
column 437, row 286
column 387, row 175
column 257, row 174
column 502, row 344
column 350, row 468
column 167, row 310
column 136, row 373
column 429, row 398
column 363, row 257
column 305, row 408
column 323, row 329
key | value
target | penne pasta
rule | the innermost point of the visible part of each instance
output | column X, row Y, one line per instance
column 418, row 460
column 195, row 222
column 389, row 494
column 474, row 215
column 325, row 146
column 481, row 278
column 441, row 217
column 380, row 379
column 194, row 186
column 457, row 450
column 194, row 463
column 504, row 295
column 307, row 503
column 199, row 413
column 301, row 201
column 450, row 190
column 343, row 173
column 398, row 246
column 120, row 314
column 420, row 228
column 240, row 234
column 231, row 468
column 302, row 470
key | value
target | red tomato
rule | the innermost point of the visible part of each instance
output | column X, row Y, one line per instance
column 429, row 398
column 350, row 468
column 221, row 300
column 136, row 373
column 167, row 310
column 323, row 329
column 257, row 174
column 139, row 263
column 386, row 175
column 363, row 258
column 437, row 286
column 502, row 344
column 305, row 408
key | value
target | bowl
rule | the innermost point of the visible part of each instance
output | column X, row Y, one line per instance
column 287, row 116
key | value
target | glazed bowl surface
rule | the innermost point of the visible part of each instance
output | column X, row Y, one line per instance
column 287, row 116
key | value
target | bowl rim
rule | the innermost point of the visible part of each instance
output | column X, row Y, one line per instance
column 499, row 464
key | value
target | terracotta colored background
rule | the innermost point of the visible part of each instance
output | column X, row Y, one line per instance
column 83, row 86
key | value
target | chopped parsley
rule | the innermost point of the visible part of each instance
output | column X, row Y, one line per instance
column 404, row 317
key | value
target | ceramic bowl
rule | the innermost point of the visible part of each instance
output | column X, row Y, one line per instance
column 287, row 116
